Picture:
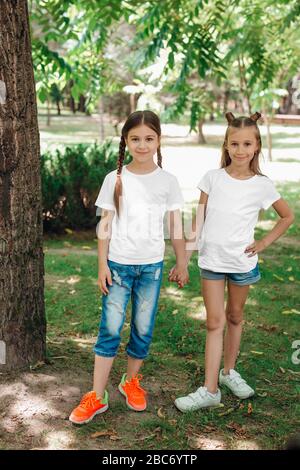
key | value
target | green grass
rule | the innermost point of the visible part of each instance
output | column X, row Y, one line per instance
column 176, row 363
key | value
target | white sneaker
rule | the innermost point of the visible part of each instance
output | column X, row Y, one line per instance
column 236, row 384
column 200, row 399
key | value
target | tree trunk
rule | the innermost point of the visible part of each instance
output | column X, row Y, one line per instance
column 201, row 138
column 101, row 119
column 48, row 113
column 269, row 135
column 58, row 107
column 81, row 104
column 22, row 314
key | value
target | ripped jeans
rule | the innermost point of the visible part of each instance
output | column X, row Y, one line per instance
column 142, row 283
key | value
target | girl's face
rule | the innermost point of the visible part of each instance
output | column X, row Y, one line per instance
column 142, row 143
column 242, row 145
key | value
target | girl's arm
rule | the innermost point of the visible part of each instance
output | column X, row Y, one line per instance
column 179, row 272
column 104, row 236
column 197, row 224
column 286, row 219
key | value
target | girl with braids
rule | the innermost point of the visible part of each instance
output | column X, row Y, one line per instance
column 133, row 200
column 230, row 201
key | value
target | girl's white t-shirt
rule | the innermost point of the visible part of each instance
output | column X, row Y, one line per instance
column 138, row 233
column 231, row 215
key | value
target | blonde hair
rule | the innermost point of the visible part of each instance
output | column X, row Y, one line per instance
column 240, row 123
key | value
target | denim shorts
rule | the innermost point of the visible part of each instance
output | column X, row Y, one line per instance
column 240, row 279
column 142, row 284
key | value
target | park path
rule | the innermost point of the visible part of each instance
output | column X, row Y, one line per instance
column 189, row 161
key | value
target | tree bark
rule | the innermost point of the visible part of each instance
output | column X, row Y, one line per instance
column 22, row 313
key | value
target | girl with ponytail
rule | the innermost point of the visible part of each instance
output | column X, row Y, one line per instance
column 230, row 201
column 133, row 200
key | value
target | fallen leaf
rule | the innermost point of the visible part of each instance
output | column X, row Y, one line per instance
column 250, row 409
column 37, row 365
column 278, row 277
column 282, row 370
column 291, row 278
column 174, row 312
column 86, row 247
column 257, row 352
column 68, row 231
column 293, row 372
column 289, row 269
column 173, row 422
column 103, row 434
column 268, row 381
column 160, row 414
column 263, row 395
column 227, row 412
column 236, row 428
column 290, row 312
column 210, row 428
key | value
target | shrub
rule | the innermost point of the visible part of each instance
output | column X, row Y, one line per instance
column 71, row 180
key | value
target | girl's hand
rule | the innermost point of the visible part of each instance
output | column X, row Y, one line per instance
column 255, row 247
column 179, row 275
column 104, row 278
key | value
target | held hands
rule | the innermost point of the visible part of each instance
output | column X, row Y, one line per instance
column 255, row 247
column 104, row 278
column 180, row 275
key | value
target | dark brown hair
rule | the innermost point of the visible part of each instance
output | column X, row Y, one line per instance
column 135, row 119
column 240, row 123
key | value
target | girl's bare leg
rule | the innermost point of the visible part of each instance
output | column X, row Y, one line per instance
column 102, row 370
column 213, row 295
column 237, row 296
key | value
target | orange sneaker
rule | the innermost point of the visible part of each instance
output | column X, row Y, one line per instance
column 133, row 392
column 89, row 407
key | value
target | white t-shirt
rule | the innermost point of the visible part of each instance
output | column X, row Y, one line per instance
column 231, row 215
column 138, row 233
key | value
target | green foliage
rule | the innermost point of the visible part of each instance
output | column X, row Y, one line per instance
column 71, row 180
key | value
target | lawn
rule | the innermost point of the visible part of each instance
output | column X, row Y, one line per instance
column 35, row 404
column 176, row 362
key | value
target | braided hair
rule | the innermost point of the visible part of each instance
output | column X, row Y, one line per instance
column 135, row 119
